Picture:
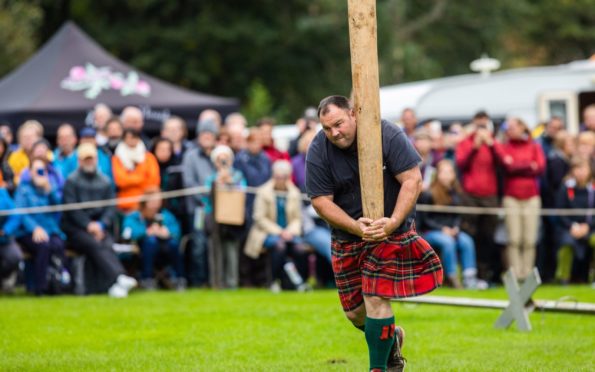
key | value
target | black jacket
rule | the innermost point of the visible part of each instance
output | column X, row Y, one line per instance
column 81, row 187
column 573, row 197
column 434, row 220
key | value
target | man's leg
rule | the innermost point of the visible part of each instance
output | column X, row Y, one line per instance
column 99, row 252
column 358, row 317
column 380, row 330
column 198, row 274
column 41, row 261
column 10, row 256
column 175, row 258
column 514, row 225
column 149, row 247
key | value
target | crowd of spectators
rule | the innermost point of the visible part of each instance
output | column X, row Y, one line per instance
column 282, row 242
column 479, row 165
column 146, row 240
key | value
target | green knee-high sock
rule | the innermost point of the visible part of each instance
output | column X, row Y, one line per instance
column 380, row 335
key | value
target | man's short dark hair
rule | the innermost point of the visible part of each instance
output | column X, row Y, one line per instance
column 341, row 102
column 131, row 132
column 113, row 119
column 265, row 121
column 481, row 115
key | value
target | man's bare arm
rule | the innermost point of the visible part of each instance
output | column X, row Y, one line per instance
column 336, row 217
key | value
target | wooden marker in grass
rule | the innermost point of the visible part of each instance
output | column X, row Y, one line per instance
column 366, row 89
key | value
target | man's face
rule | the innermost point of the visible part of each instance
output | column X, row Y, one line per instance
column 266, row 134
column 554, row 126
column 408, row 119
column 481, row 122
column 133, row 120
column 88, row 164
column 207, row 141
column 339, row 126
column 101, row 116
column 589, row 118
column 27, row 137
column 173, row 130
column 6, row 133
column 114, row 130
column 66, row 139
column 254, row 143
column 423, row 146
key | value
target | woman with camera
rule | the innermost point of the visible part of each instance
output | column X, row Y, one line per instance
column 40, row 234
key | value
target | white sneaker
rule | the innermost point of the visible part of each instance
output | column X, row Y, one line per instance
column 126, row 282
column 117, row 291
column 9, row 282
column 276, row 287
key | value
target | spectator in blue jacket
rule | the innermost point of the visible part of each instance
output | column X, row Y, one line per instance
column 40, row 233
column 41, row 150
column 10, row 255
column 65, row 159
column 158, row 234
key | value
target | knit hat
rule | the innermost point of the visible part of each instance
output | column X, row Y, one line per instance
column 207, row 125
column 221, row 149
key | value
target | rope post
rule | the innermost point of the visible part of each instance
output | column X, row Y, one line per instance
column 366, row 96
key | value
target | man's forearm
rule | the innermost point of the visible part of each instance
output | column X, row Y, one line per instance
column 335, row 216
column 410, row 190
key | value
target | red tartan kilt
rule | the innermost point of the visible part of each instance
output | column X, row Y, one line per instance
column 404, row 266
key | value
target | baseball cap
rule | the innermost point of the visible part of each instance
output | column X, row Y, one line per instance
column 86, row 150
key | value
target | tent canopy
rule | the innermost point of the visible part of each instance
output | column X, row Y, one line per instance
column 71, row 73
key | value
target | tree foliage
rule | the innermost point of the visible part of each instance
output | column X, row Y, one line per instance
column 281, row 56
column 19, row 22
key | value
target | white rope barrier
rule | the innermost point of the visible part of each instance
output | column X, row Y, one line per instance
column 252, row 190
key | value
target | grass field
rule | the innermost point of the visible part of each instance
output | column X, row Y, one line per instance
column 254, row 330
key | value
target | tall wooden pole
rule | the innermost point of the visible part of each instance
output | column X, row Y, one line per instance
column 366, row 95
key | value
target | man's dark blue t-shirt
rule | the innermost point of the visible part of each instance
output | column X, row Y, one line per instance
column 333, row 171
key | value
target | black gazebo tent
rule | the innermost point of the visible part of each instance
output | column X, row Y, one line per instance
column 71, row 73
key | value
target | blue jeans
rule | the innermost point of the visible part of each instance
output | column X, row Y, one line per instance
column 319, row 238
column 448, row 247
column 198, row 273
column 168, row 252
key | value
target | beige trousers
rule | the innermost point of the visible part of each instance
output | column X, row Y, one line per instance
column 522, row 224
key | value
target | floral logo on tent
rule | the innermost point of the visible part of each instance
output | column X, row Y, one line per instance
column 94, row 80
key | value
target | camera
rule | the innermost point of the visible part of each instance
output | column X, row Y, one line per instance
column 158, row 219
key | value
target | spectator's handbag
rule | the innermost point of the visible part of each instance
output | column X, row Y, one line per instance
column 229, row 205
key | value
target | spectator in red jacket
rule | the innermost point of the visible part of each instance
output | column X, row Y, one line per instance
column 265, row 125
column 477, row 160
column 523, row 162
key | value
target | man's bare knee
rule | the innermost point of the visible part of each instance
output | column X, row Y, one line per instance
column 378, row 307
column 357, row 316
